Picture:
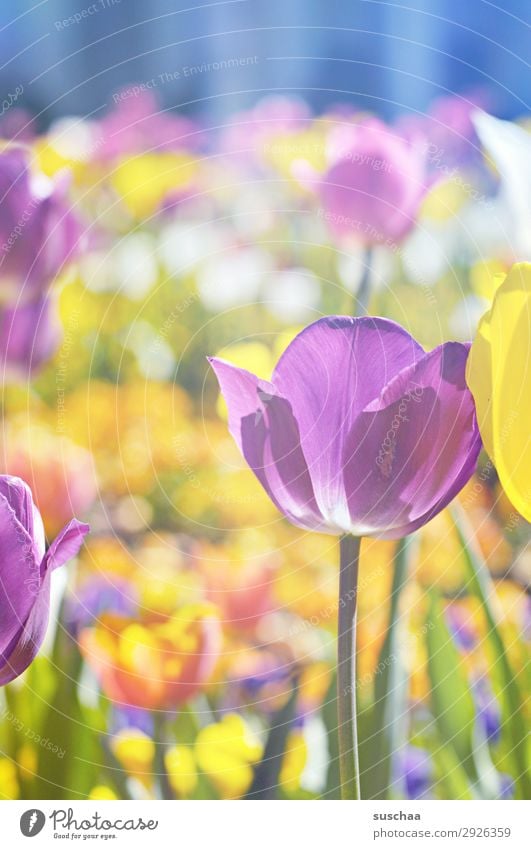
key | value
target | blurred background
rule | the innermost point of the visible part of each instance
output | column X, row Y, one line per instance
column 384, row 56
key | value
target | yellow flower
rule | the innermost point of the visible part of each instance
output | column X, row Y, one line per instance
column 144, row 181
column 27, row 758
column 9, row 788
column 499, row 376
column 102, row 793
column 182, row 771
column 443, row 201
column 226, row 752
column 486, row 276
column 135, row 751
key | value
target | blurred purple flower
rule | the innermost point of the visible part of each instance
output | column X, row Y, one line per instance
column 25, row 573
column 258, row 678
column 99, row 595
column 18, row 125
column 506, row 786
column 487, row 709
column 375, row 185
column 122, row 717
column 39, row 233
column 29, row 335
column 416, row 768
column 360, row 430
column 461, row 627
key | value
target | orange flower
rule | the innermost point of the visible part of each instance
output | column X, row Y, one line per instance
column 156, row 665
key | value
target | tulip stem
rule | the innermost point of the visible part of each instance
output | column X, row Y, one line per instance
column 161, row 775
column 349, row 551
column 361, row 302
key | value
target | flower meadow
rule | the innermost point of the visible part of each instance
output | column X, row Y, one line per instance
column 266, row 463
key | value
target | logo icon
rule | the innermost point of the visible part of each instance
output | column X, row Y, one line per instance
column 32, row 822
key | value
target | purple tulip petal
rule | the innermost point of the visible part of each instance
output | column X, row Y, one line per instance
column 329, row 373
column 20, row 579
column 25, row 645
column 25, row 574
column 412, row 449
column 454, row 489
column 66, row 545
column 20, row 499
column 263, row 425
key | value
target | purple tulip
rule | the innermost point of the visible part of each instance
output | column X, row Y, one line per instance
column 375, row 185
column 25, row 572
column 39, row 234
column 29, row 335
column 360, row 431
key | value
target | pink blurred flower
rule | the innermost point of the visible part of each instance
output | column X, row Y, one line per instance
column 138, row 124
column 249, row 131
column 374, row 188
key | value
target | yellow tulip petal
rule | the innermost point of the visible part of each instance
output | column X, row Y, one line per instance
column 499, row 376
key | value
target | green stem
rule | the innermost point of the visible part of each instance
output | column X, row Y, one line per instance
column 349, row 548
column 361, row 302
column 159, row 728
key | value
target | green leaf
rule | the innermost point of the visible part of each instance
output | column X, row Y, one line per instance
column 267, row 772
column 452, row 703
column 389, row 721
column 70, row 752
column 329, row 716
column 480, row 583
column 451, row 778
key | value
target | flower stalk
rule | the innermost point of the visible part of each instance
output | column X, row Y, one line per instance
column 362, row 297
column 349, row 548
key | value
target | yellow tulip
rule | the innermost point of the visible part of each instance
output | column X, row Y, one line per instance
column 101, row 793
column 226, row 752
column 182, row 771
column 145, row 180
column 135, row 751
column 499, row 377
